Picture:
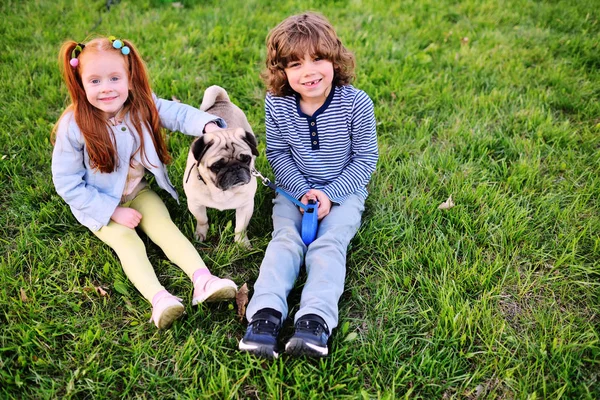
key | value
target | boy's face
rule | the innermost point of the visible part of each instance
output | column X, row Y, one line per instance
column 311, row 78
column 105, row 81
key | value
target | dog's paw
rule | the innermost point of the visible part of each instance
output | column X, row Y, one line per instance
column 201, row 231
column 243, row 241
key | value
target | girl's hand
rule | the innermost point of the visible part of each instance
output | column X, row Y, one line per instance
column 322, row 198
column 211, row 127
column 126, row 216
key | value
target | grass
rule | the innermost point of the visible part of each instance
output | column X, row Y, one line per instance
column 494, row 103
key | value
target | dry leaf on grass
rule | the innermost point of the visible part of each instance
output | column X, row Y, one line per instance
column 98, row 289
column 177, row 4
column 448, row 204
column 241, row 300
column 175, row 99
column 23, row 295
column 101, row 291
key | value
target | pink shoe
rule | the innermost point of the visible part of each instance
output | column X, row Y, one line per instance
column 166, row 308
column 212, row 288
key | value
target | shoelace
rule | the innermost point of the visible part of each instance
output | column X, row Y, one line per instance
column 262, row 326
column 313, row 327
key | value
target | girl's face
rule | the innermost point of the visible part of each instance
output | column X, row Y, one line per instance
column 105, row 81
column 311, row 78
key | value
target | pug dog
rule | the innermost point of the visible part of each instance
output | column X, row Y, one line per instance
column 219, row 164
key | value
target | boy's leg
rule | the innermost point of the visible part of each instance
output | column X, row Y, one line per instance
column 281, row 264
column 326, row 261
column 132, row 253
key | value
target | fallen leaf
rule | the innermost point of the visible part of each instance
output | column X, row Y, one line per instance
column 448, row 204
column 241, row 299
column 177, row 5
column 101, row 291
column 23, row 295
column 464, row 41
column 175, row 99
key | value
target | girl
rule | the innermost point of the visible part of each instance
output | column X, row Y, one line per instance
column 322, row 145
column 105, row 142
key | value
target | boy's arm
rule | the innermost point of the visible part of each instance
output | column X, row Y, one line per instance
column 280, row 158
column 184, row 118
column 364, row 152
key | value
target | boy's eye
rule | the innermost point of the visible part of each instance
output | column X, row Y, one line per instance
column 318, row 58
column 293, row 64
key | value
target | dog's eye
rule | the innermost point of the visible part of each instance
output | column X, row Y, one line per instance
column 216, row 167
column 245, row 158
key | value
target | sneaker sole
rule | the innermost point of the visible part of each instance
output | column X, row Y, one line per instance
column 258, row 350
column 298, row 347
column 169, row 315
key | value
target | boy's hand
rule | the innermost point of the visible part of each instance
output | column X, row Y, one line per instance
column 126, row 216
column 321, row 197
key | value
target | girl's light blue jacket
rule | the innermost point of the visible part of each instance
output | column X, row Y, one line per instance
column 93, row 195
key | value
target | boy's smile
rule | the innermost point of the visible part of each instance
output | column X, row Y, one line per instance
column 310, row 77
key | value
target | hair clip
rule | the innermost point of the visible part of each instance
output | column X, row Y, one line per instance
column 75, row 53
column 118, row 44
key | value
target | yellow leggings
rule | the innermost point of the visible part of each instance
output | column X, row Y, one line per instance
column 130, row 249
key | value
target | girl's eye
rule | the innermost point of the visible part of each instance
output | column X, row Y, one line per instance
column 95, row 81
column 114, row 78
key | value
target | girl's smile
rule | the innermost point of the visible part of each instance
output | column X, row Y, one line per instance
column 105, row 81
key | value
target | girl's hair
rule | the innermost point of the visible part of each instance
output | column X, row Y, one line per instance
column 307, row 33
column 99, row 138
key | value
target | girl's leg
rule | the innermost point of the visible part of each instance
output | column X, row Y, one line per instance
column 326, row 261
column 157, row 224
column 281, row 264
column 132, row 253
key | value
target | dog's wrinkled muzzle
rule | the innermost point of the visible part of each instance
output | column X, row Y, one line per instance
column 236, row 175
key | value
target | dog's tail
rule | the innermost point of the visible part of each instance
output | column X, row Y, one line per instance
column 212, row 95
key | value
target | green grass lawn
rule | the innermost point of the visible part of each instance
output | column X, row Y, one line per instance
column 494, row 103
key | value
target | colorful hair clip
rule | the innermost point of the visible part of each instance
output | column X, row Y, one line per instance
column 75, row 53
column 118, row 44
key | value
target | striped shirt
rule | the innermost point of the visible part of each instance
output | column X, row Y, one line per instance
column 334, row 150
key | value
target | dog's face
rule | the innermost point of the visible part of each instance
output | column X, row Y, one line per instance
column 225, row 157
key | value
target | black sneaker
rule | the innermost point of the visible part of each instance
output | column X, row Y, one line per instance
column 310, row 337
column 261, row 335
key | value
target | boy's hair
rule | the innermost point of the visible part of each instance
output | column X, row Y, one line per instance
column 99, row 139
column 307, row 33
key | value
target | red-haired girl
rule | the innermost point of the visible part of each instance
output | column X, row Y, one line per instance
column 105, row 142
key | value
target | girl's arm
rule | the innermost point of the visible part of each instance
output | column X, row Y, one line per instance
column 279, row 157
column 68, row 173
column 364, row 152
column 184, row 118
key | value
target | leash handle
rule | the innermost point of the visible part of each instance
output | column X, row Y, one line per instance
column 310, row 221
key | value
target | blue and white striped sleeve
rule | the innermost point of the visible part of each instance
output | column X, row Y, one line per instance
column 357, row 173
column 287, row 174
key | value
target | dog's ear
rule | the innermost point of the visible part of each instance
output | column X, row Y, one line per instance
column 199, row 148
column 251, row 140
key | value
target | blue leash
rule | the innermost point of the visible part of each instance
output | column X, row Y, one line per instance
column 310, row 222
